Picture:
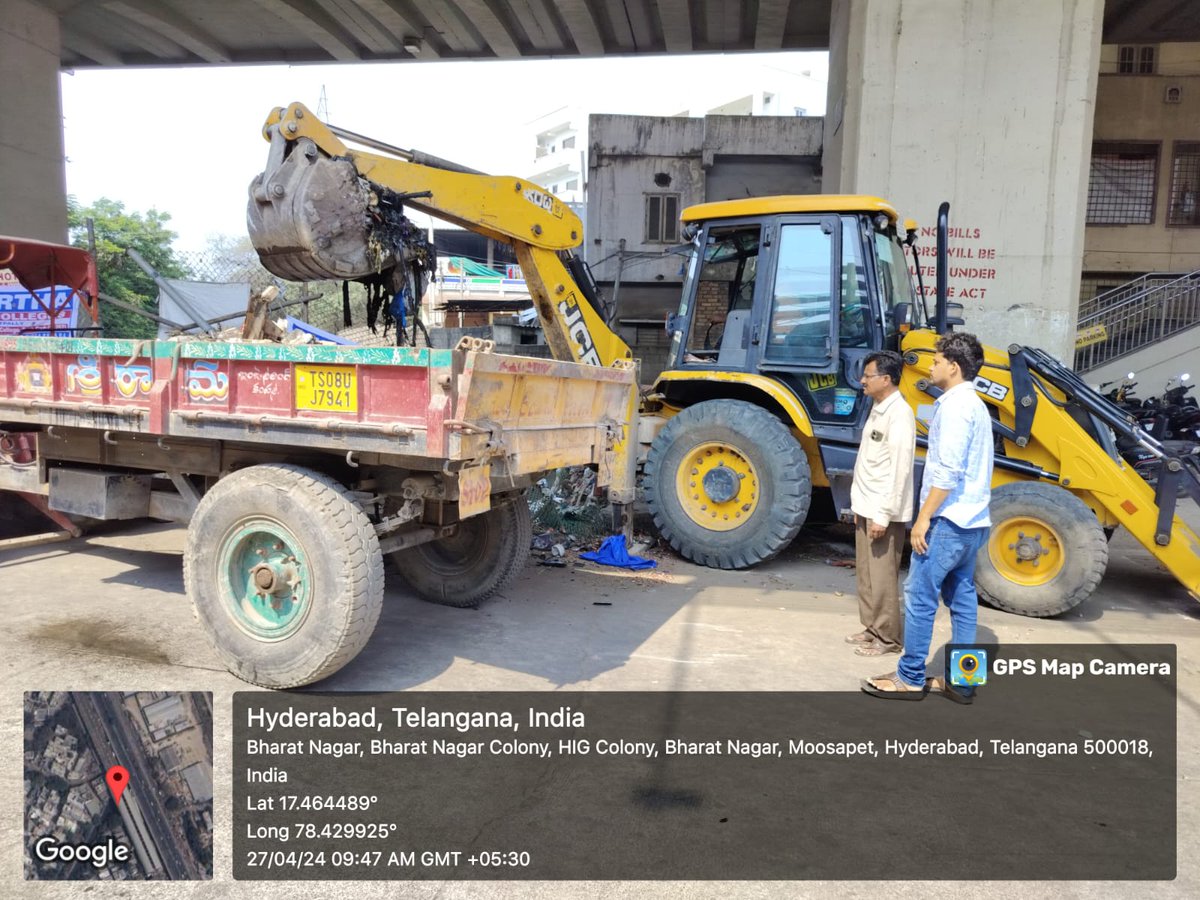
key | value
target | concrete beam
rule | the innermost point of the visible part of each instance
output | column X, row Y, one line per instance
column 676, row 20
column 94, row 50
column 147, row 40
column 768, row 29
column 722, row 24
column 619, row 25
column 365, row 30
column 315, row 24
column 396, row 23
column 165, row 21
column 583, row 27
column 459, row 37
column 492, row 27
column 536, row 19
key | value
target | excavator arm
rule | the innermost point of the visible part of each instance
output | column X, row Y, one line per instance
column 322, row 210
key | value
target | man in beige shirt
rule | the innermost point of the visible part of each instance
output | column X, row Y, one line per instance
column 881, row 498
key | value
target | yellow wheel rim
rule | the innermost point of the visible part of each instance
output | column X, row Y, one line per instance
column 1026, row 550
column 717, row 487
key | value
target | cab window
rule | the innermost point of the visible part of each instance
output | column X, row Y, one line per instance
column 800, row 328
column 855, row 321
column 725, row 284
column 895, row 282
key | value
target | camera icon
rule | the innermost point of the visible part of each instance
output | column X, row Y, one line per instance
column 968, row 668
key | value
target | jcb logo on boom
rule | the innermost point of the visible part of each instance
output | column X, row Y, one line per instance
column 577, row 328
column 544, row 201
column 993, row 389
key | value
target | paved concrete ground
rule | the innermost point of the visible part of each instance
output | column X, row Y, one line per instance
column 108, row 613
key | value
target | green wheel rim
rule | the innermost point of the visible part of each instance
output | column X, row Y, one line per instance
column 265, row 578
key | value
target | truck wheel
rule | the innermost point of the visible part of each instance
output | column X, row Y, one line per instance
column 479, row 559
column 285, row 574
column 727, row 483
column 1046, row 552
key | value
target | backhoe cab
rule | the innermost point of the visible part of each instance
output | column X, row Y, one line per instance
column 784, row 299
column 761, row 402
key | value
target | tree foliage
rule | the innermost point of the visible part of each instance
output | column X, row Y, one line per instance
column 117, row 230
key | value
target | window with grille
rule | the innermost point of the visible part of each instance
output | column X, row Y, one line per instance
column 651, row 336
column 662, row 218
column 1185, row 185
column 1121, row 185
column 1134, row 60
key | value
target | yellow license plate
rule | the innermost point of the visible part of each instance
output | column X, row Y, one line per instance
column 327, row 388
column 474, row 491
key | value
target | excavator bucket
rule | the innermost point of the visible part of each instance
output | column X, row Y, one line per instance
column 312, row 218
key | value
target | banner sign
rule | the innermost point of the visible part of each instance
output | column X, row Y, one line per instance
column 21, row 312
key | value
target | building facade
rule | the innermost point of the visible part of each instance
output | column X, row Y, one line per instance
column 643, row 171
column 1143, row 212
column 560, row 153
column 1139, row 295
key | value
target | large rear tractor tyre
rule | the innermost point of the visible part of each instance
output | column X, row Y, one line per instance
column 285, row 574
column 727, row 483
column 475, row 562
column 1046, row 552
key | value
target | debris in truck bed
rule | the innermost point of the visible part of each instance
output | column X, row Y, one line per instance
column 258, row 323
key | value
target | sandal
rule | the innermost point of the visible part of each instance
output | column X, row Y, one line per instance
column 863, row 637
column 891, row 687
column 939, row 686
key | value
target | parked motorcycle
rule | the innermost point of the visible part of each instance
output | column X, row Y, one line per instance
column 1170, row 422
column 1181, row 411
column 1147, row 413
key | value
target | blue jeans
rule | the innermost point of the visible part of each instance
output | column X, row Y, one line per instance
column 947, row 568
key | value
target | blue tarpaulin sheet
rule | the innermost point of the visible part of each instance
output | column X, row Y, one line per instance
column 613, row 553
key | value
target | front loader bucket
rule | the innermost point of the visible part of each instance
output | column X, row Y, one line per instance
column 311, row 219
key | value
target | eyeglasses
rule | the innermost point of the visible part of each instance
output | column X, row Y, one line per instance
column 873, row 375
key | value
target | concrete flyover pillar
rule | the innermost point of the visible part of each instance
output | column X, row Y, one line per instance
column 33, row 193
column 987, row 104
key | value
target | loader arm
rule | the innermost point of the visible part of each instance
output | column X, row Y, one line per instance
column 315, row 213
column 1055, row 429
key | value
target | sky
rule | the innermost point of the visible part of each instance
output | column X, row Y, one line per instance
column 187, row 141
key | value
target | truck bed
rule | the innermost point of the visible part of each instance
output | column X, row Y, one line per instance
column 421, row 407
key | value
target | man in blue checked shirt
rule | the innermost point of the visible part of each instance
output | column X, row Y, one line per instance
column 952, row 523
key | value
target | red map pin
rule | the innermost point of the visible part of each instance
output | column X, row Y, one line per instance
column 117, row 778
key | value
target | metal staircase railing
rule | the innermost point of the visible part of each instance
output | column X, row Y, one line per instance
column 1136, row 314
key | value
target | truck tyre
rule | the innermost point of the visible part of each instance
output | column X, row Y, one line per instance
column 1046, row 552
column 285, row 574
column 727, row 483
column 479, row 559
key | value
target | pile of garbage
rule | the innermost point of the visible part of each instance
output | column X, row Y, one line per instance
column 565, row 502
